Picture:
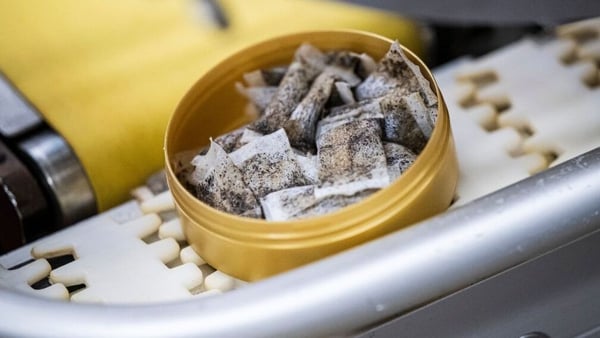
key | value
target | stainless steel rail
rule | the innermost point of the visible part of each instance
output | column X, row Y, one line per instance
column 512, row 12
column 361, row 287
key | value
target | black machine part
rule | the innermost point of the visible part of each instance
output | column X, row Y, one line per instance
column 43, row 186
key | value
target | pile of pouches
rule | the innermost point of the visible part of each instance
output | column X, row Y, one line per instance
column 330, row 129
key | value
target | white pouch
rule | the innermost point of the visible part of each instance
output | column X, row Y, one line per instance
column 396, row 72
column 230, row 141
column 260, row 96
column 307, row 64
column 406, row 121
column 269, row 164
column 301, row 202
column 351, row 159
column 284, row 204
column 301, row 125
column 332, row 203
column 219, row 183
column 265, row 77
column 398, row 159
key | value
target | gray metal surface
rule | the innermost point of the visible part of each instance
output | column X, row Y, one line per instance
column 357, row 289
column 557, row 295
column 57, row 165
column 489, row 12
column 17, row 116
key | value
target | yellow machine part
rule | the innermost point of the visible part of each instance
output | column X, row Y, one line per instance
column 108, row 74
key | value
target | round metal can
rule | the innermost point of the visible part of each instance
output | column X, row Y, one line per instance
column 251, row 249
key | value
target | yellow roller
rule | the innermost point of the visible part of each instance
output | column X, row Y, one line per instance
column 107, row 75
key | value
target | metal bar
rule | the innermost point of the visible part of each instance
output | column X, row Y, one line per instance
column 61, row 173
column 17, row 115
column 366, row 285
column 555, row 295
column 487, row 12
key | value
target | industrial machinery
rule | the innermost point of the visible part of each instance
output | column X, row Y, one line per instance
column 515, row 255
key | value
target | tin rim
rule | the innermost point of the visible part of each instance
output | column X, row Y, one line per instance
column 355, row 218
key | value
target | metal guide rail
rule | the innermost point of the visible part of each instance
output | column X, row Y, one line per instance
column 527, row 107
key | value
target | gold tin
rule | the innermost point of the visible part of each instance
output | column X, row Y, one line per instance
column 251, row 249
